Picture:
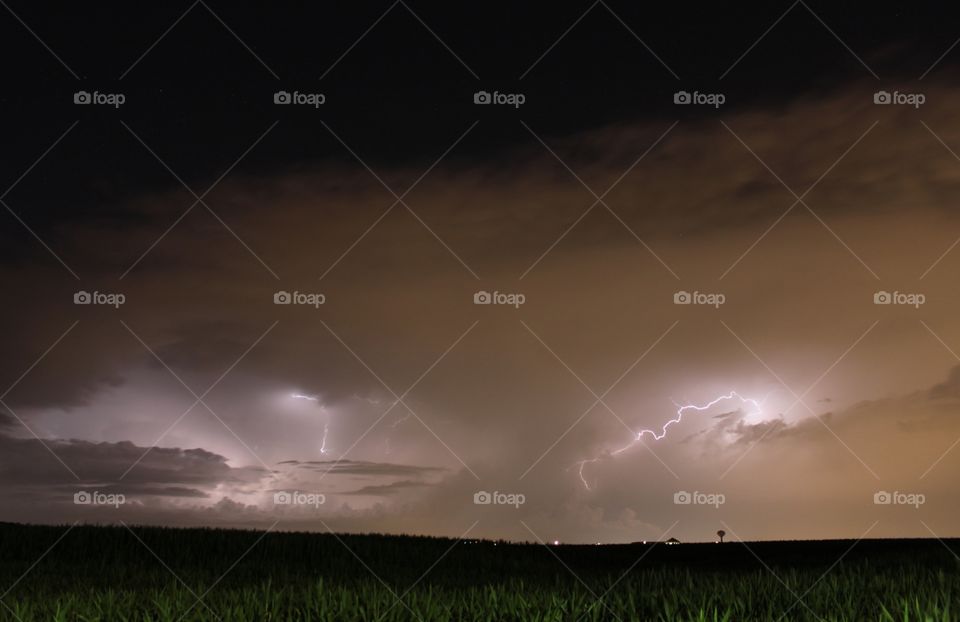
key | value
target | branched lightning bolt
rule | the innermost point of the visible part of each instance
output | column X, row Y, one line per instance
column 757, row 405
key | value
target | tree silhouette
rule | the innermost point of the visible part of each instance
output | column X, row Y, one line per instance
column 721, row 533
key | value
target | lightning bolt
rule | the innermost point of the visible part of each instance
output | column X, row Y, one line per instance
column 323, row 443
column 732, row 395
column 326, row 425
column 400, row 420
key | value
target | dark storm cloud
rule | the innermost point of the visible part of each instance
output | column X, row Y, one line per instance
column 949, row 388
column 751, row 433
column 164, row 471
column 519, row 210
column 352, row 467
column 386, row 490
column 499, row 400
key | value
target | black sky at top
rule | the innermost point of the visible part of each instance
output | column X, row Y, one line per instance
column 199, row 98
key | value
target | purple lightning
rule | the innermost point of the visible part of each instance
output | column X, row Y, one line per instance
column 663, row 430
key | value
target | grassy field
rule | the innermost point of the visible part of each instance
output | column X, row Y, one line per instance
column 114, row 574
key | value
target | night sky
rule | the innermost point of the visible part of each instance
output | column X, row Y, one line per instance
column 812, row 226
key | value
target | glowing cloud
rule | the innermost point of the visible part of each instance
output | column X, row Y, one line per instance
column 732, row 395
column 326, row 425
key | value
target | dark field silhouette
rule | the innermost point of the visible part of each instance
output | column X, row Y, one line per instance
column 149, row 573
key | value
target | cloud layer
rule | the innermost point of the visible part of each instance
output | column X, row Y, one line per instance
column 425, row 398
